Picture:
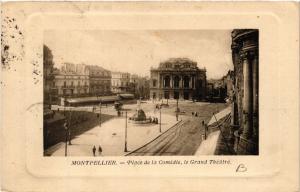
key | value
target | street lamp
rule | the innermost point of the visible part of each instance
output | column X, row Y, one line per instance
column 69, row 127
column 160, row 118
column 205, row 129
column 125, row 149
column 177, row 110
column 64, row 106
column 100, row 112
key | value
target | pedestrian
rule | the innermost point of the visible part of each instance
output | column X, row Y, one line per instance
column 94, row 150
column 99, row 150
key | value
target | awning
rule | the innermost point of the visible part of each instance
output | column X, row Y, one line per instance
column 103, row 99
column 126, row 96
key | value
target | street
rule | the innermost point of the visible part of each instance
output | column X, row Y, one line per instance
column 181, row 137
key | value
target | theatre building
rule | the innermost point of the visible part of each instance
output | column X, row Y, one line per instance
column 178, row 78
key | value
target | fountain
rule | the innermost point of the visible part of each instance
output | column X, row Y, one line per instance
column 139, row 117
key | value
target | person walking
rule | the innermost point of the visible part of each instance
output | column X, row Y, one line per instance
column 94, row 150
column 99, row 150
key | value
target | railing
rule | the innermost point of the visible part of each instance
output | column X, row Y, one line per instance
column 68, row 86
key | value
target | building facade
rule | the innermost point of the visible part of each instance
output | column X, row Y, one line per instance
column 139, row 86
column 120, row 82
column 100, row 81
column 245, row 112
column 221, row 88
column 178, row 78
column 71, row 83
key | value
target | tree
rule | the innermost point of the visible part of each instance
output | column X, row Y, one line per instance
column 48, row 76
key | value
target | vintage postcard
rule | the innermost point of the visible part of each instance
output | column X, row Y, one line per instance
column 110, row 96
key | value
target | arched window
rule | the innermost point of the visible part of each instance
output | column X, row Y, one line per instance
column 176, row 81
column 167, row 81
column 200, row 83
column 186, row 81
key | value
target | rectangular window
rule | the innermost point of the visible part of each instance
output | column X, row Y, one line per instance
column 154, row 82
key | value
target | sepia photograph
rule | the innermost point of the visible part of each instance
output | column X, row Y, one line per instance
column 151, row 92
column 184, row 96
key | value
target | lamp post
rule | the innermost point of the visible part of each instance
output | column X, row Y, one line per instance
column 50, row 100
column 205, row 129
column 177, row 110
column 65, row 106
column 160, row 118
column 125, row 148
column 69, row 127
column 100, row 113
column 66, row 141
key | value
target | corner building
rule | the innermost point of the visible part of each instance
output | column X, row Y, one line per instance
column 178, row 78
column 245, row 114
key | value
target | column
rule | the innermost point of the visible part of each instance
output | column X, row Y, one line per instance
column 194, row 80
column 255, row 96
column 180, row 79
column 171, row 81
column 181, row 87
column 235, row 59
column 248, row 98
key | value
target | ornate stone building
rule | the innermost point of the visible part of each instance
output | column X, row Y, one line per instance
column 245, row 91
column 71, row 81
column 178, row 78
column 100, row 81
column 120, row 82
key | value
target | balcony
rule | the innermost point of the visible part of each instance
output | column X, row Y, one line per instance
column 82, row 86
column 68, row 87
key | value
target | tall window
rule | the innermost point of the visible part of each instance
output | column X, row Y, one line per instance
column 176, row 81
column 186, row 83
column 65, row 84
column 167, row 81
column 154, row 82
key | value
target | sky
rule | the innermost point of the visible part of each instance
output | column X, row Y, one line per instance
column 136, row 51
